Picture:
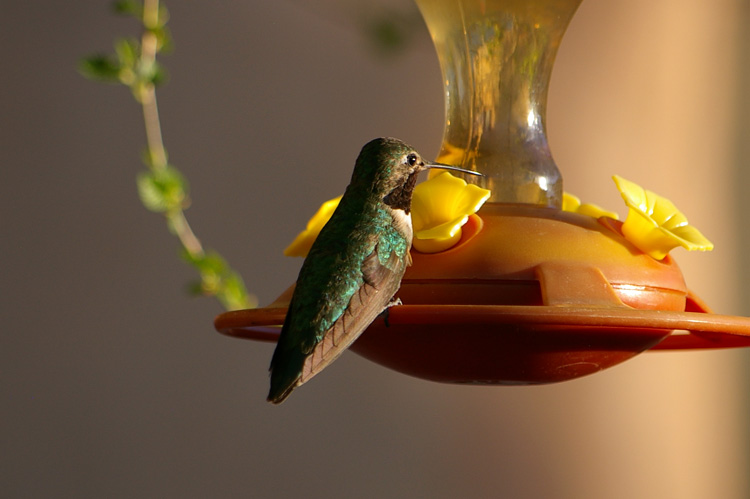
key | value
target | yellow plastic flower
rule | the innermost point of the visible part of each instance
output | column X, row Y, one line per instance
column 573, row 204
column 304, row 240
column 439, row 207
column 654, row 224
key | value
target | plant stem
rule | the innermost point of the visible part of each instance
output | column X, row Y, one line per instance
column 185, row 234
column 149, row 47
column 150, row 13
column 157, row 152
column 154, row 139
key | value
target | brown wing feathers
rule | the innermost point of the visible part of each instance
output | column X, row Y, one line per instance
column 365, row 305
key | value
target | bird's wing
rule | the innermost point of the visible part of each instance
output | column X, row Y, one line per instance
column 381, row 276
column 335, row 301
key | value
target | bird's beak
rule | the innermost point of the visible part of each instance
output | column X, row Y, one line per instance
column 454, row 168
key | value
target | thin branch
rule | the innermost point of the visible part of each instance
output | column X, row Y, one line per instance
column 156, row 149
column 163, row 189
column 149, row 47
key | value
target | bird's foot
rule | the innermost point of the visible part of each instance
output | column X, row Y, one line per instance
column 385, row 313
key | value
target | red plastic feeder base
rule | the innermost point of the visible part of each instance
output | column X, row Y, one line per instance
column 528, row 296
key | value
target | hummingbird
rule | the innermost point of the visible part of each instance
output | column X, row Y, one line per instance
column 355, row 265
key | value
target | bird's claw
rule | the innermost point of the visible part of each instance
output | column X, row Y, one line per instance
column 385, row 313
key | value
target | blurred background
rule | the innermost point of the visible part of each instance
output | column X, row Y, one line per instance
column 114, row 382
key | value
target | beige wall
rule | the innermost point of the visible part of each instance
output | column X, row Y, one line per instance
column 648, row 90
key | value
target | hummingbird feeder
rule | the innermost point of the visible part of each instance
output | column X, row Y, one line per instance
column 530, row 293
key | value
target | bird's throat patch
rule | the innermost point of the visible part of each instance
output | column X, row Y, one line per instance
column 400, row 197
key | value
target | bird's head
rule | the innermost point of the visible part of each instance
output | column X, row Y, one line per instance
column 388, row 168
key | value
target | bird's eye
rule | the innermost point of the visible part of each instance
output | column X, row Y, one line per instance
column 411, row 159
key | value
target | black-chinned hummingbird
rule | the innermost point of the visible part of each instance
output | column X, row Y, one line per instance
column 354, row 267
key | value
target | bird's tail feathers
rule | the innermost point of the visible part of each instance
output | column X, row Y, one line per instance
column 285, row 376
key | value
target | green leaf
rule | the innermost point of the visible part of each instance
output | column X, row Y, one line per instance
column 128, row 8
column 218, row 279
column 195, row 288
column 162, row 190
column 127, row 51
column 163, row 39
column 157, row 75
column 100, row 67
column 209, row 262
column 150, row 73
column 387, row 34
column 391, row 30
column 163, row 17
column 150, row 193
column 233, row 294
